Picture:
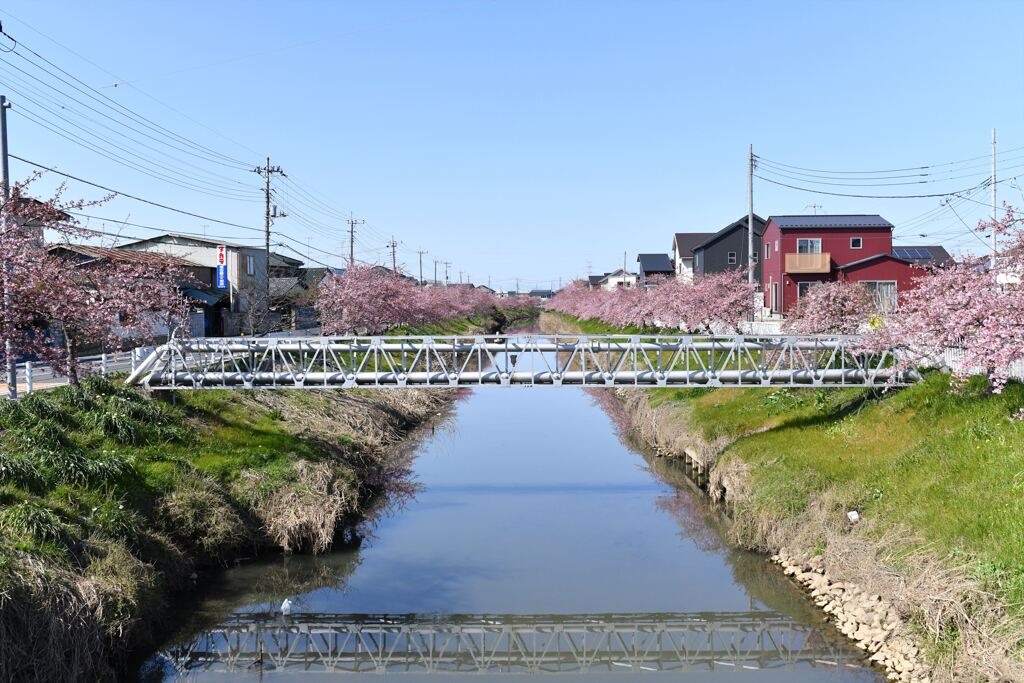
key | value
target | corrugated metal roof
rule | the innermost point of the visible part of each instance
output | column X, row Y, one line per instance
column 836, row 221
column 125, row 255
column 871, row 258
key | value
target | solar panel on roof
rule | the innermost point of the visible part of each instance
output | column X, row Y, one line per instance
column 911, row 253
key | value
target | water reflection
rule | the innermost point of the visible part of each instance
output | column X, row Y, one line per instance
column 534, row 509
column 533, row 644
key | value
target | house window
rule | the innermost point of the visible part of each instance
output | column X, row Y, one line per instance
column 767, row 251
column 808, row 245
column 856, row 243
column 802, row 288
column 732, row 258
column 754, row 255
column 776, row 246
column 250, row 265
column 884, row 292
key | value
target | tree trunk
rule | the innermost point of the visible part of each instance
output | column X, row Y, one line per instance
column 71, row 365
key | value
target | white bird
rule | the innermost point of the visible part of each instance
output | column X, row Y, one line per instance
column 286, row 607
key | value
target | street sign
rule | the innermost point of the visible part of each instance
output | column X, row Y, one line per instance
column 222, row 267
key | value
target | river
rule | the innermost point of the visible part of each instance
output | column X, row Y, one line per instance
column 539, row 541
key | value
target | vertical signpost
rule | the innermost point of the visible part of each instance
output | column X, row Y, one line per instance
column 222, row 267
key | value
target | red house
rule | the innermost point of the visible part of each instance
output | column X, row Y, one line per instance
column 800, row 251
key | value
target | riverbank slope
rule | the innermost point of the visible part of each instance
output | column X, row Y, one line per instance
column 111, row 501
column 937, row 555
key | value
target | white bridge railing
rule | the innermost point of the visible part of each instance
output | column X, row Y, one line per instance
column 510, row 360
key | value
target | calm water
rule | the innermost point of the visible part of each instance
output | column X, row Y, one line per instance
column 533, row 517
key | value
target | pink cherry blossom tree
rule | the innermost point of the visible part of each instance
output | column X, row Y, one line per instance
column 54, row 307
column 832, row 308
column 970, row 307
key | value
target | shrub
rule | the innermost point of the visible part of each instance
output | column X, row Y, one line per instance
column 33, row 520
column 198, row 515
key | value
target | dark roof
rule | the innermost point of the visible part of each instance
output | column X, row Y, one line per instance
column 924, row 256
column 594, row 279
column 655, row 263
column 191, row 238
column 838, row 221
column 685, row 241
column 92, row 253
column 203, row 295
column 759, row 224
column 542, row 293
column 871, row 258
column 280, row 260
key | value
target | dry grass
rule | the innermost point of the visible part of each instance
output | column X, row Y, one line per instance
column 48, row 630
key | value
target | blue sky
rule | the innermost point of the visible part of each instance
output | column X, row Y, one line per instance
column 529, row 139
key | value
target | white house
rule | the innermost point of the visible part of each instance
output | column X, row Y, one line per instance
column 682, row 252
column 618, row 278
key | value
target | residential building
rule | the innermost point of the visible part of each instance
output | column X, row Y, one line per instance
column 654, row 265
column 542, row 293
column 618, row 279
column 682, row 252
column 595, row 280
column 246, row 270
column 207, row 303
column 727, row 249
column 800, row 251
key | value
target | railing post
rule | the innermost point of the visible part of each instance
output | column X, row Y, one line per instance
column 28, row 377
column 135, row 358
column 103, row 364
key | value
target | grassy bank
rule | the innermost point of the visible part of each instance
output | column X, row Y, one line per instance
column 936, row 474
column 112, row 501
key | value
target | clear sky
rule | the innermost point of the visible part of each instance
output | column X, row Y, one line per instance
column 525, row 138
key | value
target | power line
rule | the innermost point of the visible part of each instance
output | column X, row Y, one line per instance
column 886, row 170
column 36, row 164
column 869, row 196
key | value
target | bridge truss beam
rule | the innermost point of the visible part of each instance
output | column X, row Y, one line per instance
column 518, row 360
column 532, row 644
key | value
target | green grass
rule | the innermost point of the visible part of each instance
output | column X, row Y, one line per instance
column 948, row 464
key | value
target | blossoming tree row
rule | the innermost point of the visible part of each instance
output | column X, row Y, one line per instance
column 711, row 303
column 53, row 307
column 972, row 307
column 370, row 300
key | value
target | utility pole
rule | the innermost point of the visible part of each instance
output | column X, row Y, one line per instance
column 267, row 171
column 814, row 208
column 446, row 264
column 435, row 271
column 421, row 252
column 352, row 223
column 517, row 285
column 12, row 367
column 994, row 215
column 750, row 216
column 394, row 259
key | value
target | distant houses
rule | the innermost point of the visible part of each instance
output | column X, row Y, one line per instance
column 791, row 254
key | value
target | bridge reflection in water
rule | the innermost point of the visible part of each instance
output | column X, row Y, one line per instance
column 524, row 644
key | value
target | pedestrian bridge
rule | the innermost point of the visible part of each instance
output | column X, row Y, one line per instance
column 517, row 360
column 515, row 644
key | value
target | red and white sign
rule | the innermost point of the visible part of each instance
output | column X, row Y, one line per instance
column 222, row 255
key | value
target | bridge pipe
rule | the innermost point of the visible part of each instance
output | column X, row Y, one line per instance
column 284, row 380
column 518, row 348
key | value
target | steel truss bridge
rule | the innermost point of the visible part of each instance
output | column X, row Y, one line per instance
column 523, row 644
column 516, row 360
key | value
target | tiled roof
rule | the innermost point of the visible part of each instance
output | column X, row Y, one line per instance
column 759, row 225
column 125, row 255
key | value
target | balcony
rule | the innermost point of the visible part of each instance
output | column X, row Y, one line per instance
column 809, row 263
